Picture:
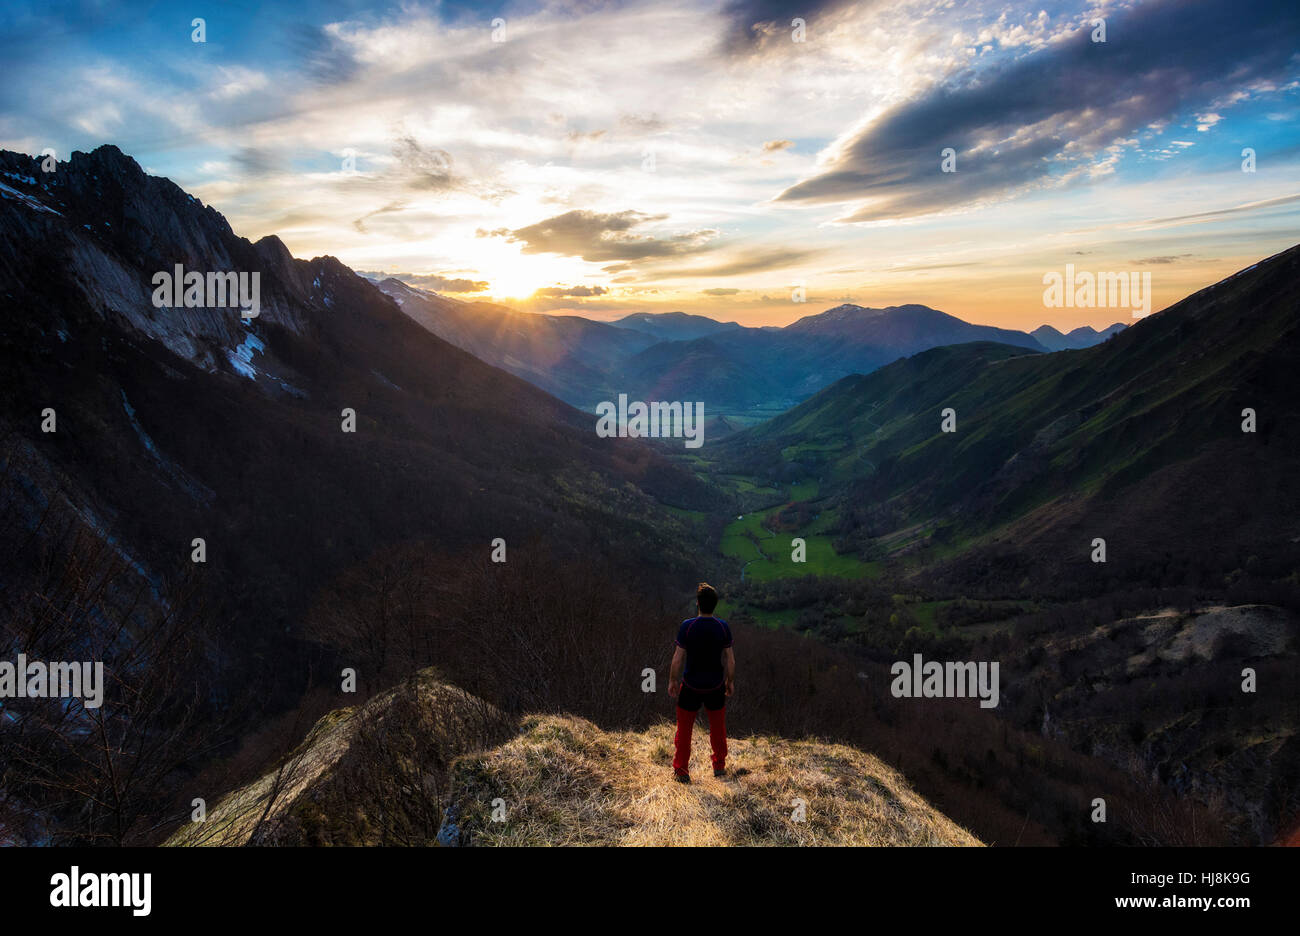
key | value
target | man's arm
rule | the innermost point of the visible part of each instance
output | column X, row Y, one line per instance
column 729, row 669
column 675, row 673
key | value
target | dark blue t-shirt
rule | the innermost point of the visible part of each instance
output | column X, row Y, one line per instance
column 703, row 639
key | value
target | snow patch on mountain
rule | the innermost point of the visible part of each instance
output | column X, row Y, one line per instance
column 241, row 358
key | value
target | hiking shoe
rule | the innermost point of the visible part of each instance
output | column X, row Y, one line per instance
column 719, row 771
column 681, row 776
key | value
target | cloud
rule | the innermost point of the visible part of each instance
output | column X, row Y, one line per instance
column 434, row 281
column 600, row 237
column 754, row 260
column 1161, row 260
column 641, row 123
column 1059, row 113
column 1247, row 208
column 424, row 168
column 255, row 161
column 720, row 291
column 1205, row 121
column 442, row 120
column 753, row 24
column 916, row 268
column 392, row 207
column 555, row 292
column 325, row 57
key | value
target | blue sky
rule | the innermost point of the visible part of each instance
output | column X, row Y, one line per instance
column 723, row 158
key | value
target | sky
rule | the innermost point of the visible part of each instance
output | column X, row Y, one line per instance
column 751, row 160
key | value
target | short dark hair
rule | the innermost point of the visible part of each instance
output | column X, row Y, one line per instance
column 706, row 597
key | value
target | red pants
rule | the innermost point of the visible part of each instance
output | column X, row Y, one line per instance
column 717, row 737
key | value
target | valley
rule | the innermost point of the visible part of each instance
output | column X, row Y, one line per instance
column 969, row 544
column 349, row 455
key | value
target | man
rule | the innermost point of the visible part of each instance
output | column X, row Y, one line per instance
column 703, row 673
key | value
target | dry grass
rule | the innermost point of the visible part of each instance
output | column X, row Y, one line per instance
column 566, row 782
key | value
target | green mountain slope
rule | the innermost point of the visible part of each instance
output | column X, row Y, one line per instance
column 1051, row 451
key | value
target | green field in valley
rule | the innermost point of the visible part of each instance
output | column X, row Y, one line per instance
column 768, row 555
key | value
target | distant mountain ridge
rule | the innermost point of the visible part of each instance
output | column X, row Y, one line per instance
column 905, row 329
column 1085, row 336
column 735, row 370
column 674, row 326
column 571, row 357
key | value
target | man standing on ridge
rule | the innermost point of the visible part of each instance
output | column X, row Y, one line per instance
column 703, row 673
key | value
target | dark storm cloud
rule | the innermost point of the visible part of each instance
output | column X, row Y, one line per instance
column 603, row 237
column 1057, row 107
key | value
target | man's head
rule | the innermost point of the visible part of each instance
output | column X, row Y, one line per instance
column 706, row 598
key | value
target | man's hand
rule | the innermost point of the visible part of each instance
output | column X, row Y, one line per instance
column 731, row 687
column 674, row 687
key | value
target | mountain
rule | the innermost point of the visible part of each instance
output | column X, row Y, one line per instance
column 674, row 326
column 1084, row 336
column 571, row 357
column 749, row 370
column 565, row 782
column 734, row 372
column 176, row 423
column 1115, row 441
column 1102, row 521
column 737, row 372
column 902, row 330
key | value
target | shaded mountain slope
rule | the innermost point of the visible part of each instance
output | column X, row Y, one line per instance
column 569, row 356
column 182, row 423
